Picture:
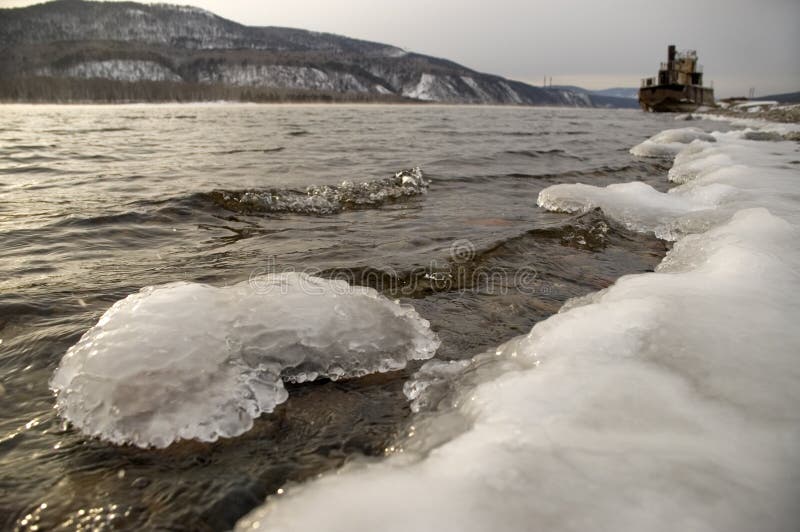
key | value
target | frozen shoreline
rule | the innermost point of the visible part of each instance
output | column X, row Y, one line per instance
column 667, row 401
column 763, row 111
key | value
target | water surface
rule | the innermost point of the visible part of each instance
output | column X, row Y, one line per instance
column 99, row 201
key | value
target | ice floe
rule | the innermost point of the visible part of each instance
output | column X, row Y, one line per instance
column 668, row 401
column 193, row 361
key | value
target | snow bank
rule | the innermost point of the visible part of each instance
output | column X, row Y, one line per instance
column 192, row 361
column 669, row 401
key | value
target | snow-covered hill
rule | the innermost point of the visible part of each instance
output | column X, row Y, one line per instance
column 125, row 42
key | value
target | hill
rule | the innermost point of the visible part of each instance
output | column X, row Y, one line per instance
column 788, row 97
column 616, row 97
column 72, row 50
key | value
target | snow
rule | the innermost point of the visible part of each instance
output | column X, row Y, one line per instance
column 283, row 76
column 193, row 361
column 758, row 124
column 577, row 99
column 668, row 401
column 192, row 10
column 483, row 96
column 432, row 87
column 668, row 143
column 512, row 94
column 116, row 69
column 756, row 104
column 717, row 180
column 391, row 51
column 635, row 205
column 425, row 88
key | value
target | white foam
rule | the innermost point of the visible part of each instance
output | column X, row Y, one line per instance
column 669, row 401
column 192, row 361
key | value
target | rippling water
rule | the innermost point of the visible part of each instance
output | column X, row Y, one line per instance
column 96, row 202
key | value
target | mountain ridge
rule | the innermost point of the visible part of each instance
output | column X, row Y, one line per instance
column 176, row 52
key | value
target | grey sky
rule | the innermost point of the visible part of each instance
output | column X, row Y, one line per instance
column 596, row 44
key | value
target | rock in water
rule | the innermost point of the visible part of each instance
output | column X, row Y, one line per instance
column 193, row 361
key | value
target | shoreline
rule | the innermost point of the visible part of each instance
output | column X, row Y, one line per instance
column 222, row 103
column 644, row 392
column 782, row 114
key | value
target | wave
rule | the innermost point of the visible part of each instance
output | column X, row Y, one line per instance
column 31, row 169
column 634, row 169
column 324, row 199
column 251, row 150
column 477, row 268
column 89, row 130
column 555, row 152
column 127, row 218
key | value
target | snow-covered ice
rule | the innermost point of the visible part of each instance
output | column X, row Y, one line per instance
column 668, row 401
column 669, row 142
column 717, row 179
column 757, row 124
column 193, row 361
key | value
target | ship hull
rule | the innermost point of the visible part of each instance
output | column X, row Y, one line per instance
column 675, row 98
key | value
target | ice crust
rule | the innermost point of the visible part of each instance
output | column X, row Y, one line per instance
column 193, row 361
column 668, row 401
column 670, row 142
column 717, row 179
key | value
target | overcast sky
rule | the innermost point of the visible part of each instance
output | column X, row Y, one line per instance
column 592, row 43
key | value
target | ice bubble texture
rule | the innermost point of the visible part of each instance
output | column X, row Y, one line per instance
column 193, row 361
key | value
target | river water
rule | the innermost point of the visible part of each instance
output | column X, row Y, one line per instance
column 97, row 202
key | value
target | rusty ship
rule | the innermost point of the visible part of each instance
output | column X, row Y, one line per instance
column 678, row 86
